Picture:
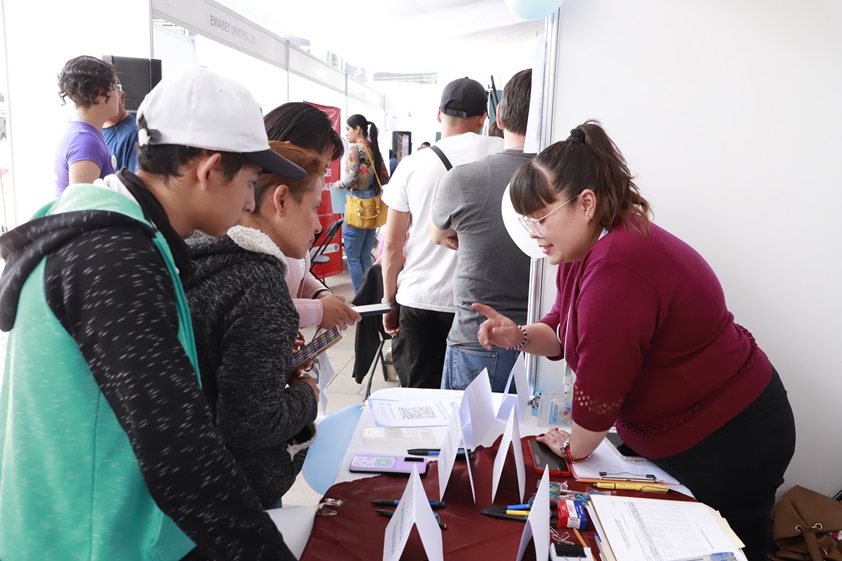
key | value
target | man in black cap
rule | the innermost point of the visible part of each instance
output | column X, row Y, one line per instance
column 467, row 206
column 423, row 286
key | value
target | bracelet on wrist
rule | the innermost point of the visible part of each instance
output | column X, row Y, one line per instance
column 569, row 456
column 391, row 303
column 523, row 342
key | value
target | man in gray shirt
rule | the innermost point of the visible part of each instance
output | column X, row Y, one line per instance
column 490, row 268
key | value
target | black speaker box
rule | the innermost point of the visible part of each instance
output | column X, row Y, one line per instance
column 137, row 75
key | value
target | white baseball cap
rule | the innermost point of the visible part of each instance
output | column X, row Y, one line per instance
column 192, row 106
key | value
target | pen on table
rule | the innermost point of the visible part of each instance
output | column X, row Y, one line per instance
column 528, row 506
column 721, row 556
column 431, row 452
column 388, row 502
column 580, row 538
column 524, row 513
column 389, row 514
column 643, row 487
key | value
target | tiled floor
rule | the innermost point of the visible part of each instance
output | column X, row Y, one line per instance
column 342, row 391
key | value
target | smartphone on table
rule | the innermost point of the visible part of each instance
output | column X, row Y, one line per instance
column 543, row 457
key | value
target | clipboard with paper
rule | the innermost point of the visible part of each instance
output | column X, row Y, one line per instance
column 605, row 465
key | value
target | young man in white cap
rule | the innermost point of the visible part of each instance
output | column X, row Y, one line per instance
column 108, row 449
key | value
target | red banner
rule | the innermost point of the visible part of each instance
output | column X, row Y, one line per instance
column 326, row 214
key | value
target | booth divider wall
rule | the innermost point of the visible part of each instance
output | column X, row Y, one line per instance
column 728, row 115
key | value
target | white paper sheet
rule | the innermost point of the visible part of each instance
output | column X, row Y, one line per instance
column 538, row 522
column 326, row 374
column 522, row 386
column 511, row 438
column 639, row 529
column 416, row 413
column 453, row 440
column 604, row 460
column 413, row 509
column 477, row 412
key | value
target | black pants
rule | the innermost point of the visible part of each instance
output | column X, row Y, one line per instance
column 418, row 351
column 737, row 469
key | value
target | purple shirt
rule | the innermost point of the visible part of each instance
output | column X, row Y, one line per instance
column 79, row 142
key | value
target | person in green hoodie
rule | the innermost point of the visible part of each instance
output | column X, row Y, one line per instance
column 108, row 449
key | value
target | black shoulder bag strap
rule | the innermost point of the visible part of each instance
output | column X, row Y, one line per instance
column 441, row 156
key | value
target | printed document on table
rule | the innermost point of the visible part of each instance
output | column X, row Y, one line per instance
column 604, row 463
column 412, row 413
column 639, row 529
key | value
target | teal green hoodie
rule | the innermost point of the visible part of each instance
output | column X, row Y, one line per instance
column 60, row 439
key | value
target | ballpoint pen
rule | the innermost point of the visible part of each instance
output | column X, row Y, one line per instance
column 388, row 502
column 722, row 556
column 389, row 514
column 431, row 452
column 628, row 486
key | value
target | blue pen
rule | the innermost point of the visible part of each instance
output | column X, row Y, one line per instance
column 519, row 507
column 389, row 502
column 722, row 556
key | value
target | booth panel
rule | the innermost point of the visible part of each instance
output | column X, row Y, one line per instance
column 267, row 83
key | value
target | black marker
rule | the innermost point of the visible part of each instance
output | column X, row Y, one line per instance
column 389, row 514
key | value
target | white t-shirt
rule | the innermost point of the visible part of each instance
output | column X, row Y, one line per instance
column 425, row 281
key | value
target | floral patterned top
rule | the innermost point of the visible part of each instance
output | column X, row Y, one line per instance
column 359, row 170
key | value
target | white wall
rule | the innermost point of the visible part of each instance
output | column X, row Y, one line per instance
column 266, row 82
column 729, row 114
column 40, row 37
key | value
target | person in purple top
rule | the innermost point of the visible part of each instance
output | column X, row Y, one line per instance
column 82, row 155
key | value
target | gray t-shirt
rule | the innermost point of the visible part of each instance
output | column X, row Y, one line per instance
column 490, row 268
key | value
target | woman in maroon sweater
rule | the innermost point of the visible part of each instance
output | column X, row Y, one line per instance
column 641, row 319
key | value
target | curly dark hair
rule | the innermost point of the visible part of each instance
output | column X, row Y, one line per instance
column 85, row 78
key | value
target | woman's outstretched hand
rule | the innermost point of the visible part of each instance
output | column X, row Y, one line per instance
column 497, row 329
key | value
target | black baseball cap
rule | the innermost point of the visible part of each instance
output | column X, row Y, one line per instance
column 471, row 97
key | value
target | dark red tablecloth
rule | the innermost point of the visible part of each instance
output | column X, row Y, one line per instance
column 356, row 532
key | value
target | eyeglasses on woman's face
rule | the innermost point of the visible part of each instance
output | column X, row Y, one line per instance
column 533, row 225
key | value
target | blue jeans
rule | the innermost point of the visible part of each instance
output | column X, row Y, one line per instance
column 358, row 244
column 463, row 364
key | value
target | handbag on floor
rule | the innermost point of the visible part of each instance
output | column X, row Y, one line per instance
column 803, row 525
column 366, row 214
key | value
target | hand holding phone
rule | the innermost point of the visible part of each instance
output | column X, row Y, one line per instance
column 319, row 344
column 372, row 309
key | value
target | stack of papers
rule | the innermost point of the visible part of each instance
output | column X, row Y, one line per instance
column 636, row 529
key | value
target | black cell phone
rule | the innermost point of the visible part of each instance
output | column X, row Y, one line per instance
column 543, row 457
column 372, row 309
column 622, row 448
column 320, row 343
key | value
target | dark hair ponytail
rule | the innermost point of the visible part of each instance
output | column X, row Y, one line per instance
column 370, row 132
column 588, row 159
